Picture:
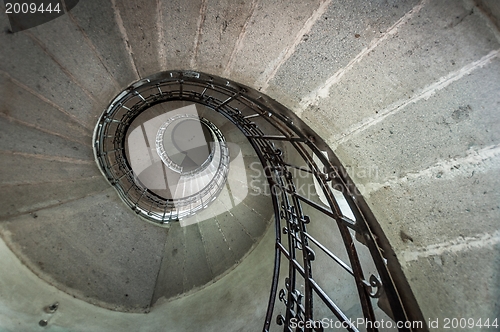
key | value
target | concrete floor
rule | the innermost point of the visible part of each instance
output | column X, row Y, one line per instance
column 407, row 93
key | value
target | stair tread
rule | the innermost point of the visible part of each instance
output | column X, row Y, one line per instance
column 118, row 255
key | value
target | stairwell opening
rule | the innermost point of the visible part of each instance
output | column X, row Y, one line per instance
column 380, row 81
column 142, row 144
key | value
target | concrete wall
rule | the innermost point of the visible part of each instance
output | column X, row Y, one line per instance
column 407, row 88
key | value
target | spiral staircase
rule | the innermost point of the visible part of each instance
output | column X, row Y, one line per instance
column 400, row 99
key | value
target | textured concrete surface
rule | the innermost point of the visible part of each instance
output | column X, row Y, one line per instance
column 464, row 117
column 171, row 274
column 61, row 40
column 185, row 257
column 27, row 140
column 24, row 107
column 25, row 60
column 112, row 266
column 341, row 33
column 97, row 21
column 269, row 34
column 415, row 59
column 492, row 9
column 218, row 250
column 456, row 276
column 408, row 210
column 30, row 197
column 178, row 30
column 407, row 90
column 138, row 19
column 235, row 294
column 222, row 25
column 197, row 272
column 53, row 169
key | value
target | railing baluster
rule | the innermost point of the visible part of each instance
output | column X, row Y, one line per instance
column 288, row 204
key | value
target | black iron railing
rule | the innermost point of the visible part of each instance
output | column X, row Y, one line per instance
column 110, row 153
column 292, row 155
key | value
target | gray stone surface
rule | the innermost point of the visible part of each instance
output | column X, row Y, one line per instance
column 139, row 19
column 460, row 288
column 27, row 108
column 343, row 31
column 170, row 282
column 252, row 223
column 63, row 40
column 464, row 116
column 180, row 27
column 434, row 210
column 197, row 272
column 19, row 138
column 263, row 206
column 443, row 38
column 218, row 253
column 250, row 165
column 97, row 19
column 26, row 62
column 104, row 254
column 224, row 20
column 217, row 308
column 29, row 198
column 270, row 31
column 492, row 8
column 240, row 297
column 252, row 191
column 20, row 169
column 107, row 253
column 238, row 239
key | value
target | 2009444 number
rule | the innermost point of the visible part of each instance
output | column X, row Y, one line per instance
column 32, row 8
column 464, row 323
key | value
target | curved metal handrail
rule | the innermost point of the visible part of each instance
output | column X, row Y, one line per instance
column 277, row 125
column 109, row 149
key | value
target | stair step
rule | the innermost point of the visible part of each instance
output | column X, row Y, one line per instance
column 24, row 106
column 170, row 282
column 22, row 199
column 196, row 269
column 220, row 257
column 238, row 240
column 19, row 138
column 36, row 170
column 92, row 248
column 252, row 223
column 50, row 80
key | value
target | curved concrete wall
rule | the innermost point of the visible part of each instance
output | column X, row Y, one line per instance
column 406, row 92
